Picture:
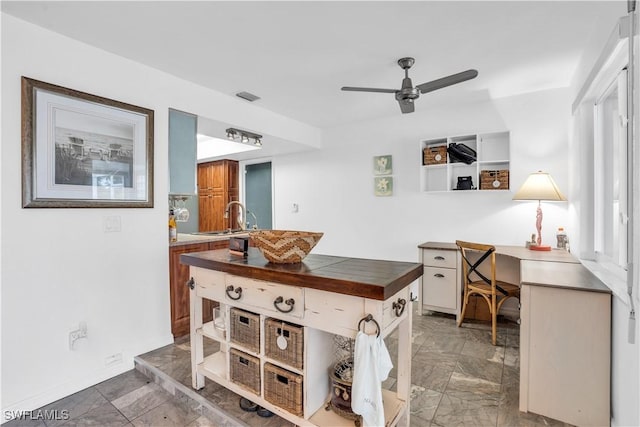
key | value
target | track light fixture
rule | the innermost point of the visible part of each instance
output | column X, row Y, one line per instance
column 244, row 135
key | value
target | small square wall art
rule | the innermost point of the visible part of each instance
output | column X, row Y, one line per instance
column 383, row 186
column 382, row 165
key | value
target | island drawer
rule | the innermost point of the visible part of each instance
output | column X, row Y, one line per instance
column 209, row 283
column 278, row 299
column 439, row 258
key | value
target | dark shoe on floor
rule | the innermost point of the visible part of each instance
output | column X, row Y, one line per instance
column 264, row 412
column 247, row 405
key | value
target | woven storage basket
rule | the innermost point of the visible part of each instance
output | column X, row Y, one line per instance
column 293, row 334
column 435, row 155
column 283, row 388
column 285, row 246
column 494, row 180
column 245, row 370
column 245, row 329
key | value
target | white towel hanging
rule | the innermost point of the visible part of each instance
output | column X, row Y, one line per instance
column 371, row 366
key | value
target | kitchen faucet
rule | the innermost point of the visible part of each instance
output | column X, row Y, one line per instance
column 242, row 219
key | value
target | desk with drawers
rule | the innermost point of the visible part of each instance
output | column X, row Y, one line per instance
column 565, row 331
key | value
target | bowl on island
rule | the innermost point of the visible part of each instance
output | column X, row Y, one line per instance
column 284, row 246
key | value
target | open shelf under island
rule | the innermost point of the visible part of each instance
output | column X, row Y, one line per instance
column 323, row 297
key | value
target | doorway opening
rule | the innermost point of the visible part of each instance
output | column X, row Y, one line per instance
column 258, row 194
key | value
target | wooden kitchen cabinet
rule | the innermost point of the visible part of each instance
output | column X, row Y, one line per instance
column 217, row 186
column 178, row 289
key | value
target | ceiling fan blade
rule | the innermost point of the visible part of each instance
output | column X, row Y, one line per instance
column 447, row 81
column 368, row 89
column 406, row 106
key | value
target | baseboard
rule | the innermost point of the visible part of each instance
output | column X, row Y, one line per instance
column 64, row 389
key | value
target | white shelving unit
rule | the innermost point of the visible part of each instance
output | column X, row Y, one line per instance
column 493, row 154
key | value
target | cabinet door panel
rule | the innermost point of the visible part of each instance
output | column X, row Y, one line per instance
column 179, row 292
column 439, row 287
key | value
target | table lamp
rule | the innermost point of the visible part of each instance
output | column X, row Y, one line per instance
column 539, row 186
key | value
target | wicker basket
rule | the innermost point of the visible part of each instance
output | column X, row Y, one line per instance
column 283, row 388
column 494, row 180
column 435, row 155
column 292, row 354
column 245, row 370
column 285, row 246
column 245, row 329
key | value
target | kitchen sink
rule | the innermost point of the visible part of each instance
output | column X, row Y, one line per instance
column 220, row 232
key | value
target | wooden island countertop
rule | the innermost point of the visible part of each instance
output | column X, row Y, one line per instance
column 368, row 278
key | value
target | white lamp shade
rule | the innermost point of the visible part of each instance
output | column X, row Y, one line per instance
column 539, row 186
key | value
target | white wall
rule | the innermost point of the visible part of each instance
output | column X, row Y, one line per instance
column 334, row 187
column 58, row 265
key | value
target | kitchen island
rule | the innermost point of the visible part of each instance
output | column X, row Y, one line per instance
column 313, row 302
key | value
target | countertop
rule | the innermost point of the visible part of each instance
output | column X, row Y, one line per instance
column 518, row 252
column 186, row 239
column 374, row 279
column 560, row 275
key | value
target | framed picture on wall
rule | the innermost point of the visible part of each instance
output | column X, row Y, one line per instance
column 382, row 165
column 84, row 151
column 383, row 186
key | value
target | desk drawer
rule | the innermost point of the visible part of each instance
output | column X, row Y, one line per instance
column 439, row 287
column 262, row 295
column 439, row 258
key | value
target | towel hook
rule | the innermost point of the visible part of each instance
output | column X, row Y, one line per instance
column 369, row 318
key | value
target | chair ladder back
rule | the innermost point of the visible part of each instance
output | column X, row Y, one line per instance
column 470, row 268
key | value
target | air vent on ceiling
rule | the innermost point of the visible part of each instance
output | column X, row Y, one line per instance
column 248, row 96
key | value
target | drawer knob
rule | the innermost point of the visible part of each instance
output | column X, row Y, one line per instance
column 398, row 306
column 438, row 275
column 237, row 290
column 438, row 258
column 290, row 302
column 191, row 283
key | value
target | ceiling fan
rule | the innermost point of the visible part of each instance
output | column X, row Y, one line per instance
column 407, row 94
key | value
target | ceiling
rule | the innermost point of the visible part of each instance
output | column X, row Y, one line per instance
column 296, row 55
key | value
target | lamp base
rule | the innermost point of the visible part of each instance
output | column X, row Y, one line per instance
column 540, row 248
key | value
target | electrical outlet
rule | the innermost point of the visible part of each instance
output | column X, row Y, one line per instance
column 294, row 207
column 114, row 359
column 75, row 335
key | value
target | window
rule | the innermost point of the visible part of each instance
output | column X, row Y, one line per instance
column 610, row 174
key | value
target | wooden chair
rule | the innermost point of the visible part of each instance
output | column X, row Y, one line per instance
column 494, row 292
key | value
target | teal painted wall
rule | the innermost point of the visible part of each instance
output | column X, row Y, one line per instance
column 182, row 163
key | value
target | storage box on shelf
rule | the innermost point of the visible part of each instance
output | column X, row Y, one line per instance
column 494, row 180
column 283, row 388
column 245, row 329
column 492, row 154
column 284, row 342
column 245, row 370
column 435, row 154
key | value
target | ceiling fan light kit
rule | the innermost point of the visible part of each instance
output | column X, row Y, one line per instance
column 408, row 93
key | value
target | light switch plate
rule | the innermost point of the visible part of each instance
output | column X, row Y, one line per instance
column 112, row 224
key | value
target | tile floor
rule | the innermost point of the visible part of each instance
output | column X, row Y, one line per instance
column 458, row 377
